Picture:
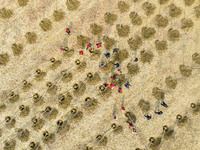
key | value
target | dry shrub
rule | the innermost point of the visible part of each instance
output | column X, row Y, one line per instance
column 196, row 110
column 67, row 77
column 168, row 133
column 81, row 67
column 77, row 116
column 23, row 135
column 108, row 42
column 96, row 29
column 186, row 23
column 72, row 5
column 2, row 107
column 161, row 45
column 185, row 70
column 38, row 124
column 46, row 24
column 4, row 59
column 118, row 129
column 173, row 34
column 146, row 56
column 58, row 15
column 106, row 93
column 68, row 52
column 136, row 0
column 197, row 11
column 163, row 1
column 147, row 32
column 17, row 49
column 91, row 104
column 38, row 101
column 10, row 145
column 31, row 37
column 25, row 112
column 103, row 142
column 110, row 18
column 135, row 43
column 123, row 6
column 55, row 64
column 196, row 58
column 11, row 123
column 144, row 105
column 135, row 18
column 52, row 90
column 22, row 3
column 81, row 89
column 94, row 80
column 6, row 13
column 95, row 55
column 108, row 67
column 158, row 93
column 182, row 121
column 156, row 143
column 123, row 30
column 82, row 41
column 26, row 87
column 133, row 69
column 49, row 139
column 14, row 98
column 40, row 77
column 50, row 115
column 121, row 79
column 121, row 56
column 174, row 11
column 63, row 128
column 132, row 116
column 170, row 82
column 189, row 2
column 161, row 21
column 66, row 101
column 148, row 8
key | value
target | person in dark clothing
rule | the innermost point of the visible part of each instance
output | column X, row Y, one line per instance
column 107, row 55
column 148, row 117
column 127, row 85
column 116, row 65
column 159, row 112
column 164, row 104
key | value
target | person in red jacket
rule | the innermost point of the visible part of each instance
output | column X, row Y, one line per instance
column 89, row 45
column 120, row 90
column 98, row 45
column 68, row 31
column 81, row 52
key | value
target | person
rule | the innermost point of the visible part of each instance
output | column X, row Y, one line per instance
column 159, row 112
column 115, row 50
column 119, row 71
column 89, row 45
column 113, row 77
column 116, row 65
column 148, row 116
column 164, row 104
column 114, row 116
column 136, row 59
column 102, row 65
column 123, row 108
column 134, row 131
column 120, row 90
column 81, row 52
column 107, row 55
column 112, row 86
column 127, row 85
column 105, row 84
column 98, row 45
column 68, row 31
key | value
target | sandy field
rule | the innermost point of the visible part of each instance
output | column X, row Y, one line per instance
column 32, row 36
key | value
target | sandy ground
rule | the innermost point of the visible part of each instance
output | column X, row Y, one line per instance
column 26, row 19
